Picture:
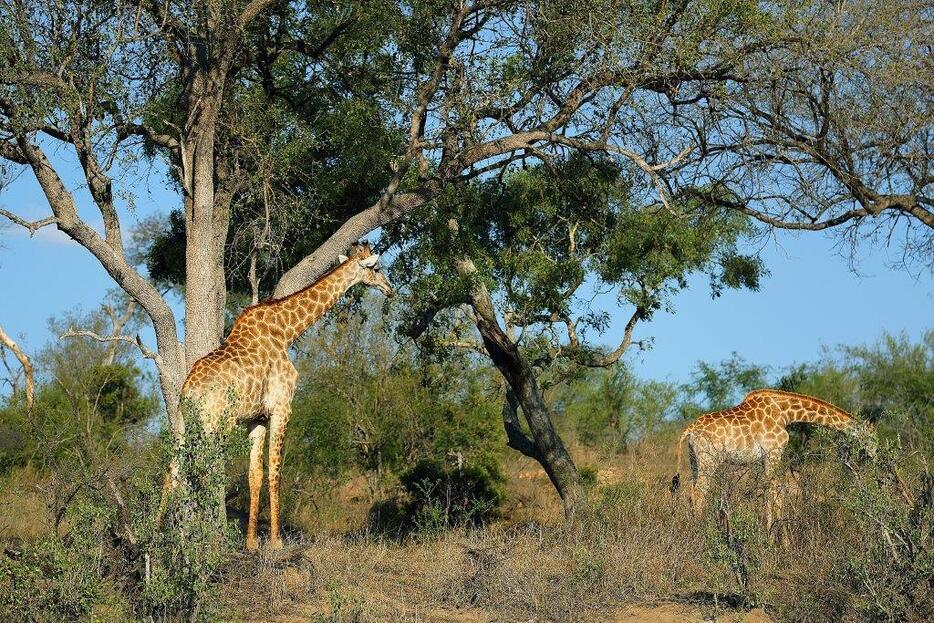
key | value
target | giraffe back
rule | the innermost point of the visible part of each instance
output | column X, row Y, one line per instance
column 741, row 434
column 230, row 383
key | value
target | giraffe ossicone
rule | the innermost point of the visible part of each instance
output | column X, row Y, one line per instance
column 254, row 365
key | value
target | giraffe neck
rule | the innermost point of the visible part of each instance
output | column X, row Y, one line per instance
column 798, row 408
column 295, row 313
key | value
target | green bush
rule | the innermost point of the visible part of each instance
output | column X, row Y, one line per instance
column 588, row 475
column 442, row 497
column 378, row 411
column 734, row 537
column 58, row 579
column 111, row 550
column 893, row 503
column 183, row 557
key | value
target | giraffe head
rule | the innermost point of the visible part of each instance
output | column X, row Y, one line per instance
column 365, row 266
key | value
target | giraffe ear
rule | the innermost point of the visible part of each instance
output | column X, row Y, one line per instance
column 341, row 258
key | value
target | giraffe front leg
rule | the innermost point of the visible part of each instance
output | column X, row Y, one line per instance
column 168, row 485
column 278, row 421
column 773, row 501
column 257, row 439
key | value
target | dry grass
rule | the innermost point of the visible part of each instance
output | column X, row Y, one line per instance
column 23, row 511
column 637, row 554
column 636, row 545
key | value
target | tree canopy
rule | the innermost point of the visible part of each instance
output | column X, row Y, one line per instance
column 552, row 245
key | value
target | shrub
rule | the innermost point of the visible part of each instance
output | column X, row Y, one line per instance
column 113, row 552
column 442, row 497
column 734, row 538
column 182, row 559
column 588, row 475
column 893, row 572
column 57, row 579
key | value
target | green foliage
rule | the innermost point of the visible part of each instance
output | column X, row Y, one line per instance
column 734, row 537
column 58, row 579
column 588, row 475
column 717, row 387
column 367, row 405
column 88, row 395
column 614, row 407
column 113, row 554
column 889, row 382
column 297, row 141
column 538, row 236
column 185, row 555
column 442, row 497
column 893, row 571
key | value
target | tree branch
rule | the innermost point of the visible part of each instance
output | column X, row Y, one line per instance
column 32, row 226
column 356, row 227
column 137, row 341
column 63, row 206
column 515, row 438
column 614, row 356
column 24, row 361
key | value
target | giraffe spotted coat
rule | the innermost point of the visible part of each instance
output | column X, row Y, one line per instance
column 251, row 380
column 754, row 431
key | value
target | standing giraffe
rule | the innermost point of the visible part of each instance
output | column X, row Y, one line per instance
column 753, row 431
column 250, row 379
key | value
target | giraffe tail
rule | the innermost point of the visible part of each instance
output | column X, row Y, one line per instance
column 676, row 479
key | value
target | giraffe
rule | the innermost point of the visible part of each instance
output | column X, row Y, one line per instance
column 753, row 431
column 250, row 379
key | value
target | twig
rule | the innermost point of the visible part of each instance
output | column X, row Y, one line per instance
column 32, row 226
column 137, row 341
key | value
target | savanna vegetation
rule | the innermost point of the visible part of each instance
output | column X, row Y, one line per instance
column 473, row 448
column 403, row 500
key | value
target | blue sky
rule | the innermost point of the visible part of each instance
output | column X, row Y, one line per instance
column 810, row 300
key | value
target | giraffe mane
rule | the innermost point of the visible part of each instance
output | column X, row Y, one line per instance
column 766, row 390
column 269, row 302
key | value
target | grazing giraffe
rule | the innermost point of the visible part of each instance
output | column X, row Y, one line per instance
column 752, row 431
column 250, row 379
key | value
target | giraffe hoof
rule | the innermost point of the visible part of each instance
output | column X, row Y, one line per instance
column 275, row 544
column 252, row 545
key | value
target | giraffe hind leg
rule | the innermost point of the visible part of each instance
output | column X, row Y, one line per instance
column 701, row 473
column 257, row 439
column 277, row 424
column 774, row 501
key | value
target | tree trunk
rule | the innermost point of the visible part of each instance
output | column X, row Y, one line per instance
column 205, row 226
column 523, row 392
column 545, row 447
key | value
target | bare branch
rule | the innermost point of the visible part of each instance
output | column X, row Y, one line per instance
column 24, row 361
column 137, row 341
column 470, row 345
column 125, row 130
column 32, row 226
column 614, row 356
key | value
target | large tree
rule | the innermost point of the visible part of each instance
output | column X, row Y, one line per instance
column 534, row 264
column 755, row 107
